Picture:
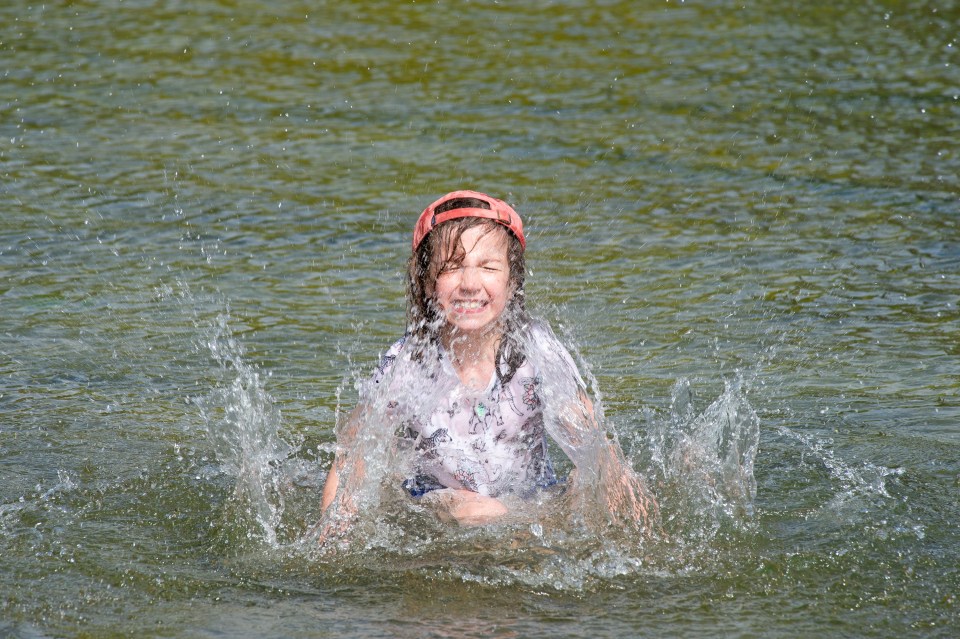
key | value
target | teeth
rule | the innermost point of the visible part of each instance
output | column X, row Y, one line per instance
column 472, row 305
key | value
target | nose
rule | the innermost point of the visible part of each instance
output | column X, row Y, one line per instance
column 469, row 278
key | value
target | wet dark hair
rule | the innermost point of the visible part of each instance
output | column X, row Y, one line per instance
column 425, row 320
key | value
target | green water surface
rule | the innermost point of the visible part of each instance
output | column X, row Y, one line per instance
column 713, row 191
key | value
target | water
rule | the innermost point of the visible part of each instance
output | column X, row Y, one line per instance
column 743, row 217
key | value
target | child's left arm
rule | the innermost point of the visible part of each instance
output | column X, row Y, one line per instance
column 602, row 470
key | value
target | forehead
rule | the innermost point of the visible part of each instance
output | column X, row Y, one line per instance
column 486, row 239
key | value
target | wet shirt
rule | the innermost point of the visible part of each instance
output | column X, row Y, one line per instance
column 490, row 441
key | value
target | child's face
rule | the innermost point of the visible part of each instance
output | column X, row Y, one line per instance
column 474, row 293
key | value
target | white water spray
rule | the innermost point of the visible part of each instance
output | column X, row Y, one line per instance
column 243, row 424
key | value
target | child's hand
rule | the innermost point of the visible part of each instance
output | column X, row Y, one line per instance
column 465, row 507
column 337, row 521
column 619, row 491
column 629, row 497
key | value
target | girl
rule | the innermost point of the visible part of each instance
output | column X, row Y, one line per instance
column 470, row 393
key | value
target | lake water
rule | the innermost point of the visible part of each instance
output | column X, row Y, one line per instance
column 739, row 214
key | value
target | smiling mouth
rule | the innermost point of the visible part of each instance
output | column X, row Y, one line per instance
column 467, row 306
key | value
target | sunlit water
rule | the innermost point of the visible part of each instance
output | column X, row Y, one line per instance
column 743, row 219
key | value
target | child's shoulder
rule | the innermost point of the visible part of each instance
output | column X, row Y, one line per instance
column 546, row 352
column 539, row 334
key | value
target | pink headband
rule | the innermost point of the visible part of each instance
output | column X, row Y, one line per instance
column 499, row 211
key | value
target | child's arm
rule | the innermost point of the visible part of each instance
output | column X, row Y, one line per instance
column 357, row 442
column 603, row 477
column 352, row 468
column 464, row 507
column 331, row 485
column 602, row 470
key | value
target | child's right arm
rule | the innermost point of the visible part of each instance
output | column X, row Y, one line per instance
column 330, row 486
column 345, row 475
column 346, row 439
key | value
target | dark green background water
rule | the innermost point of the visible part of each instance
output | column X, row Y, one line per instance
column 711, row 189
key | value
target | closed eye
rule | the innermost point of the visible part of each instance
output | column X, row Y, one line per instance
column 493, row 265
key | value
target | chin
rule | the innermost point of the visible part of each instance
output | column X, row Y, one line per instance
column 470, row 325
column 470, row 328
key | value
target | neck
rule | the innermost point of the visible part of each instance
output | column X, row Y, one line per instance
column 473, row 356
column 471, row 346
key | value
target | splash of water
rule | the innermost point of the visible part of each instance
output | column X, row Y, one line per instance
column 704, row 465
column 243, row 424
column 866, row 481
column 701, row 469
column 719, row 446
column 699, row 463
